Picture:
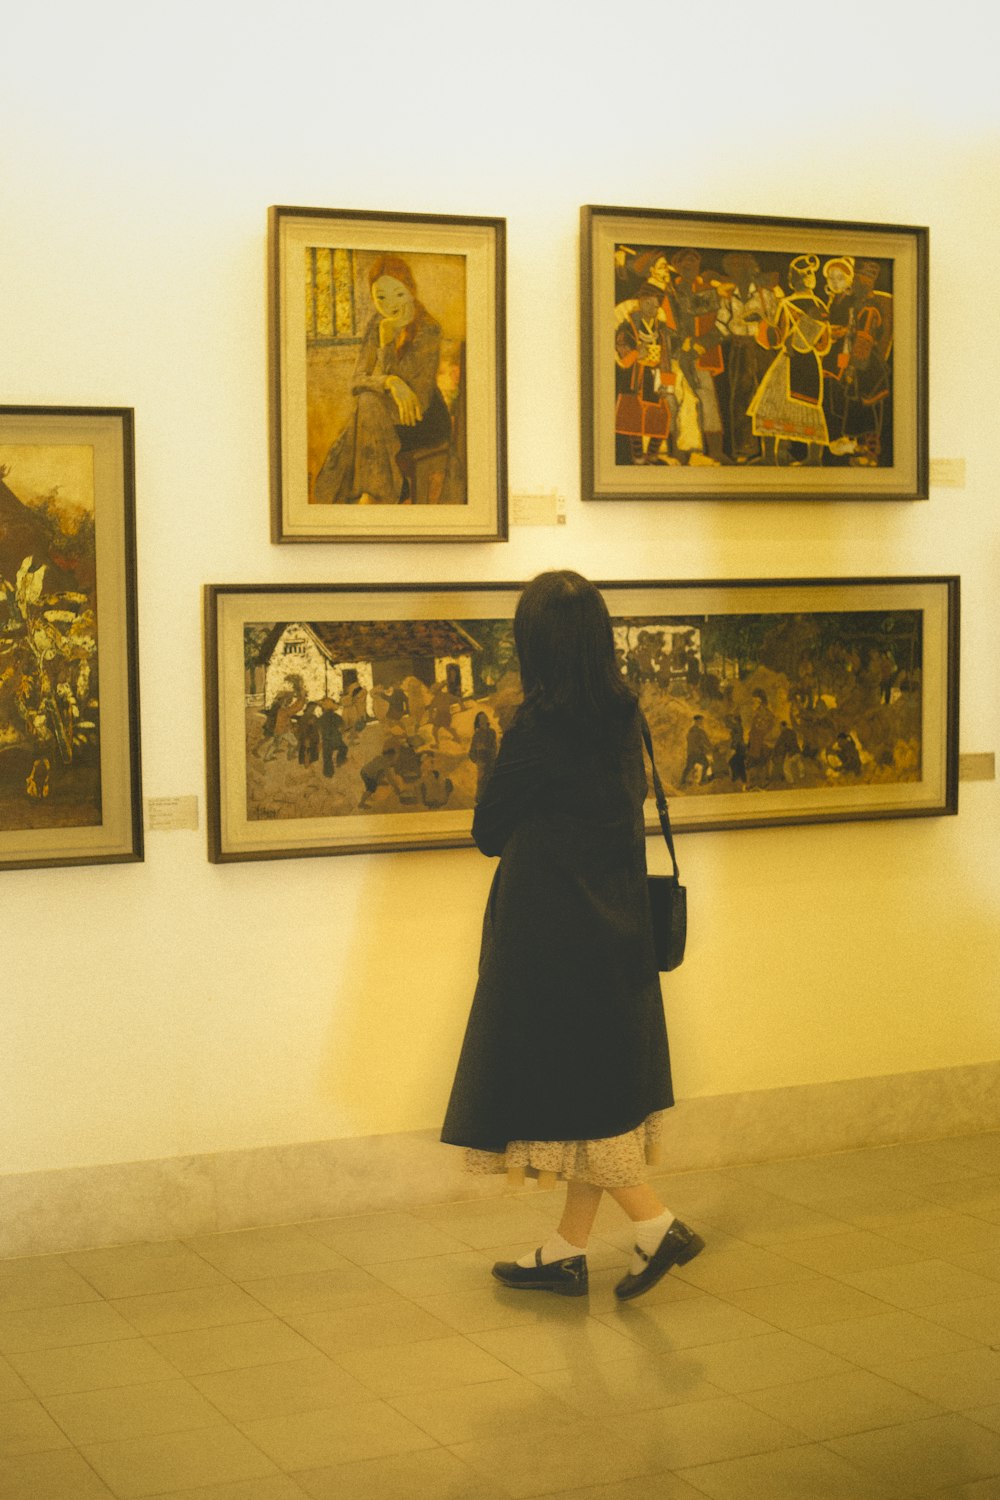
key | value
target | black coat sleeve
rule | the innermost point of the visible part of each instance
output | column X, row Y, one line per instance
column 515, row 788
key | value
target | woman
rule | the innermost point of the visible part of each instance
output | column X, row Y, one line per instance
column 399, row 407
column 787, row 406
column 565, row 1068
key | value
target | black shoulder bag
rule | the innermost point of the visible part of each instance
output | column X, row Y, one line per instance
column 667, row 897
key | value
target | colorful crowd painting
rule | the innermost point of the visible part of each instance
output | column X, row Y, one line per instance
column 740, row 357
column 372, row 717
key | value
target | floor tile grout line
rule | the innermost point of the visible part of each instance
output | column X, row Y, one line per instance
column 892, row 1307
column 719, row 1295
column 945, row 1489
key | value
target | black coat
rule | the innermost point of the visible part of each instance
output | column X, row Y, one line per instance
column 566, row 1039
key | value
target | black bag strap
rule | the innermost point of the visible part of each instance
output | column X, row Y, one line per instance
column 660, row 796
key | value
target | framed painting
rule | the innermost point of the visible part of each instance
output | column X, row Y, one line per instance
column 69, row 692
column 387, row 376
column 727, row 357
column 344, row 719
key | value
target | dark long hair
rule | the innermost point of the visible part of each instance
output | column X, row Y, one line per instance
column 566, row 648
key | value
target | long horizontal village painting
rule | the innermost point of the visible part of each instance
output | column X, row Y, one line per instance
column 380, row 732
column 732, row 345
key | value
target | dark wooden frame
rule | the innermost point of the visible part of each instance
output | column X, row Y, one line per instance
column 483, row 242
column 228, row 607
column 118, row 838
column 603, row 479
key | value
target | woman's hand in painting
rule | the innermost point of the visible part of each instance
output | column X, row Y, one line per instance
column 407, row 405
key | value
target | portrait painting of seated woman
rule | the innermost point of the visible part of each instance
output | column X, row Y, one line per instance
column 385, row 375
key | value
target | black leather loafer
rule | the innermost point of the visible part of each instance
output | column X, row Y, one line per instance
column 566, row 1277
column 679, row 1245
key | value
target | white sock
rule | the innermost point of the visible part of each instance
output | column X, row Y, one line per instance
column 648, row 1234
column 554, row 1249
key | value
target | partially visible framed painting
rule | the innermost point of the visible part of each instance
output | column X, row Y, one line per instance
column 344, row 719
column 387, row 376
column 728, row 357
column 69, row 693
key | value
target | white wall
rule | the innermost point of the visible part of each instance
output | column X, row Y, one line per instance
column 175, row 1007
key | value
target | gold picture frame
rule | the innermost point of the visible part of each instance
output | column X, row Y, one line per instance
column 734, row 357
column 387, row 376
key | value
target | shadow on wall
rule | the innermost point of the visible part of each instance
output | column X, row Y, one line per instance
column 400, row 988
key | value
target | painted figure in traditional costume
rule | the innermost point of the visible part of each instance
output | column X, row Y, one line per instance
column 642, row 378
column 874, row 326
column 691, row 305
column 743, row 310
column 787, row 406
column 864, row 322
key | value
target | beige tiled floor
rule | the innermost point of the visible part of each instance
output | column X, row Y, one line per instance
column 839, row 1339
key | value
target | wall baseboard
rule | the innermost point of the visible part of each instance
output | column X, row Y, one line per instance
column 78, row 1208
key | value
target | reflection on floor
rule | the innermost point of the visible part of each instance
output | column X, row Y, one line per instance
column 839, row 1337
